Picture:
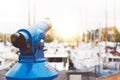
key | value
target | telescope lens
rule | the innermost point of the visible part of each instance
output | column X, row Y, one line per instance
column 18, row 40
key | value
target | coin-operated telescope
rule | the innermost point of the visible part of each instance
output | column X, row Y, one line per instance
column 31, row 64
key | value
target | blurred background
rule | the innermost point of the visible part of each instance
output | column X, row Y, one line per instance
column 70, row 19
column 84, row 34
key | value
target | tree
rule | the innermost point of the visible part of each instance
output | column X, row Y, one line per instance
column 116, row 34
column 50, row 36
column 83, row 37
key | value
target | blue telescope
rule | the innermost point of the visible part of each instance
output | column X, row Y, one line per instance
column 31, row 64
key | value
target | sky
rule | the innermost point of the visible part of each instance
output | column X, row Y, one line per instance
column 67, row 16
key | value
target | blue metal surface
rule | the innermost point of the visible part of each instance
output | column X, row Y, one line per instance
column 31, row 71
column 32, row 64
column 33, row 35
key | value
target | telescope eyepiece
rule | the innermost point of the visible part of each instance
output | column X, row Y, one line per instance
column 18, row 40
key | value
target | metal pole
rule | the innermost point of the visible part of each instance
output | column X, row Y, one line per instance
column 28, row 12
column 105, row 13
column 114, row 12
column 34, row 11
column 105, row 34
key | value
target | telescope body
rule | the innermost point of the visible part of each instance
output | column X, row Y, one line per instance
column 31, row 64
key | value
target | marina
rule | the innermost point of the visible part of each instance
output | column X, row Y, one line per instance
column 86, row 62
column 59, row 40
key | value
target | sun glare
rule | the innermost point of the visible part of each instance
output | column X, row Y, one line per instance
column 67, row 32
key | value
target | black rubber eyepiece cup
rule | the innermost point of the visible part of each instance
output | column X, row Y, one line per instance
column 18, row 40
